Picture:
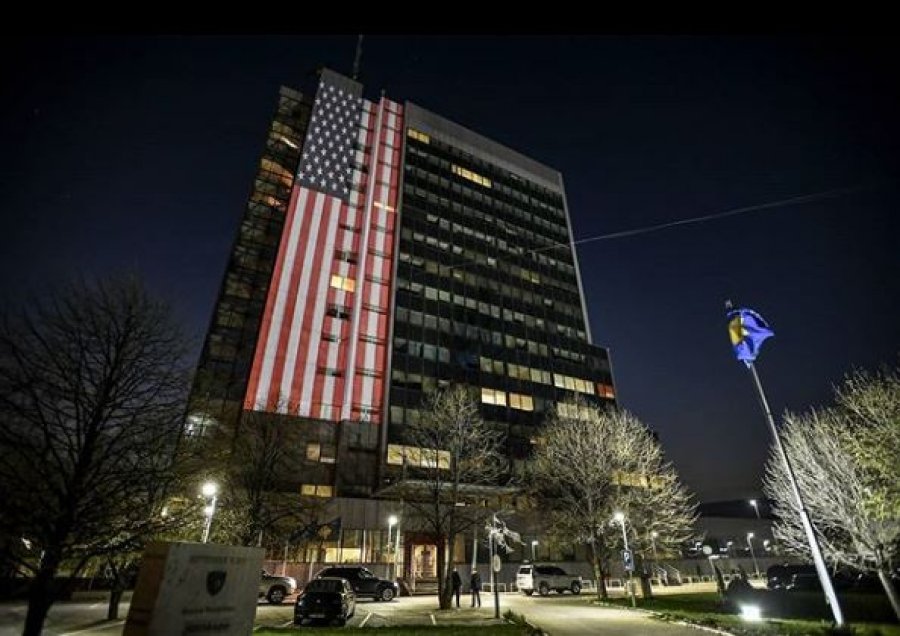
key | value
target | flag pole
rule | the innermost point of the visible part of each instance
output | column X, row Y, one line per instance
column 821, row 570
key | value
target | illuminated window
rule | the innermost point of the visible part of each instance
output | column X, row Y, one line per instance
column 418, row 136
column 398, row 455
column 605, row 391
column 316, row 490
column 344, row 283
column 521, row 402
column 474, row 177
column 492, row 396
column 323, row 453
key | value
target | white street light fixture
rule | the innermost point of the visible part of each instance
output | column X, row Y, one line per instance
column 752, row 554
column 393, row 520
column 209, row 491
column 755, row 507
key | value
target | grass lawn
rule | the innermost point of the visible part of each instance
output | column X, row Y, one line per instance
column 439, row 630
column 793, row 614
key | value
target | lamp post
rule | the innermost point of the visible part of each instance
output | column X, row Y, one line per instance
column 728, row 548
column 752, row 554
column 620, row 517
column 209, row 491
column 392, row 521
column 534, row 544
column 755, row 505
column 396, row 547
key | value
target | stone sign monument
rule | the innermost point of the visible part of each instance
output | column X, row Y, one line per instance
column 195, row 589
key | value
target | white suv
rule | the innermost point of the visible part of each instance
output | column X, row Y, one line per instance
column 275, row 588
column 544, row 578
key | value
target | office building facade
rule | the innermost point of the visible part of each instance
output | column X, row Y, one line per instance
column 387, row 252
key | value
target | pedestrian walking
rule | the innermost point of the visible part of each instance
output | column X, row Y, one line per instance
column 475, row 583
column 456, row 585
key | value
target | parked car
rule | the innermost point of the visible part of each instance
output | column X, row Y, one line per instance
column 276, row 588
column 329, row 598
column 364, row 583
column 544, row 578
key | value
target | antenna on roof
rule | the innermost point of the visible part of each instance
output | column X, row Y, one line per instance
column 358, row 55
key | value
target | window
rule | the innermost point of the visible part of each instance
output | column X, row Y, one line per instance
column 338, row 311
column 344, row 283
column 346, row 255
column 492, row 396
column 318, row 452
column 316, row 490
column 471, row 176
column 521, row 402
column 606, row 391
column 398, row 455
column 418, row 136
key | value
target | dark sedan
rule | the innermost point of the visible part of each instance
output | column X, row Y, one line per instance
column 327, row 599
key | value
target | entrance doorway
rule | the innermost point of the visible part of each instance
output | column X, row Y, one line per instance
column 424, row 561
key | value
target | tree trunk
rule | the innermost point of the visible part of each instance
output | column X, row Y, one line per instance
column 599, row 574
column 646, row 588
column 41, row 596
column 443, row 588
column 890, row 590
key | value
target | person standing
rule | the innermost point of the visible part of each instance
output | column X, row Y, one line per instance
column 456, row 585
column 475, row 583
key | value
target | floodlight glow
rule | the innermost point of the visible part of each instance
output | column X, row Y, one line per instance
column 209, row 489
column 751, row 613
column 619, row 516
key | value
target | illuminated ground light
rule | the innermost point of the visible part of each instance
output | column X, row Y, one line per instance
column 751, row 613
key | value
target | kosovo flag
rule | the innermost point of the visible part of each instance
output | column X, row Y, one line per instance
column 748, row 331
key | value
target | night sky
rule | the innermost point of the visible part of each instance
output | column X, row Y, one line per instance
column 137, row 154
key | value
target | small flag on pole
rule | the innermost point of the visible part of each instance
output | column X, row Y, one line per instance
column 748, row 331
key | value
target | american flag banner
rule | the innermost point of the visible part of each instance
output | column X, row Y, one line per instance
column 322, row 346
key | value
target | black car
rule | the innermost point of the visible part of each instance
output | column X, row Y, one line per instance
column 328, row 599
column 364, row 583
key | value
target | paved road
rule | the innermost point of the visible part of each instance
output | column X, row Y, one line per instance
column 559, row 615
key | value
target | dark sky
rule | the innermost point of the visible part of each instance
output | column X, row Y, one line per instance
column 138, row 154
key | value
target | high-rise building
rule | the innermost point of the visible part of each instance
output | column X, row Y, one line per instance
column 387, row 252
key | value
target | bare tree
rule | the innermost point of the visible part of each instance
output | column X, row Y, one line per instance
column 453, row 464
column 92, row 383
column 591, row 463
column 845, row 459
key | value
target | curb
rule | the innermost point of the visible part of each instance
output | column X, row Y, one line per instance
column 657, row 615
column 704, row 628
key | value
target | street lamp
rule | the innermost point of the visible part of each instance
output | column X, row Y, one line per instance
column 620, row 517
column 209, row 491
column 752, row 554
column 534, row 543
column 755, row 507
column 728, row 548
column 392, row 521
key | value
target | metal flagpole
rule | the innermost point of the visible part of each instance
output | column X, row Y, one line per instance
column 474, row 546
column 822, row 571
